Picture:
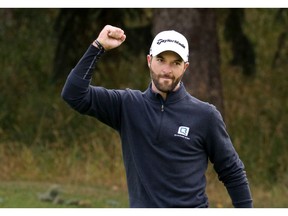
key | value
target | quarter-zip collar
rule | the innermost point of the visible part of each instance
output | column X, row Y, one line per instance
column 172, row 97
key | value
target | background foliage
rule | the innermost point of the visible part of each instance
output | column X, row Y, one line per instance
column 42, row 139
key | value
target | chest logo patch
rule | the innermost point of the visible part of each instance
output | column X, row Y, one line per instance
column 183, row 132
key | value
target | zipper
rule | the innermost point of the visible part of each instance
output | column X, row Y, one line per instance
column 162, row 104
column 161, row 118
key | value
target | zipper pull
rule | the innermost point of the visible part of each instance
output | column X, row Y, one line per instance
column 162, row 108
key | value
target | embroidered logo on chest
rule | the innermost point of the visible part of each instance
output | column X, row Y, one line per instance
column 183, row 132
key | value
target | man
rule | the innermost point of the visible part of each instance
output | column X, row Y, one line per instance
column 167, row 135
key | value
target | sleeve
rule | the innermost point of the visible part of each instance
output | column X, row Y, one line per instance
column 226, row 161
column 101, row 103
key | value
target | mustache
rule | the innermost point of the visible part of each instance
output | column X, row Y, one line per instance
column 167, row 76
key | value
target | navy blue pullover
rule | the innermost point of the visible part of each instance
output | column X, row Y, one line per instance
column 165, row 144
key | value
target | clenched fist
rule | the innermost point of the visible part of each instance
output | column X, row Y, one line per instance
column 110, row 37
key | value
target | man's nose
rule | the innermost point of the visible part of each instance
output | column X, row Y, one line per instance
column 167, row 68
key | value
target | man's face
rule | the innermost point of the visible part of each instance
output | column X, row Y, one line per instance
column 166, row 71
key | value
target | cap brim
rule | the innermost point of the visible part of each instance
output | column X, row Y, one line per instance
column 156, row 52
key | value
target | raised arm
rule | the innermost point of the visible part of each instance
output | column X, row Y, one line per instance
column 85, row 98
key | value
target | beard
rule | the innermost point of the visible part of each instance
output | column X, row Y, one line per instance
column 165, row 82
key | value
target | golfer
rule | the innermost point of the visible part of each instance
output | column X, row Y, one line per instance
column 167, row 135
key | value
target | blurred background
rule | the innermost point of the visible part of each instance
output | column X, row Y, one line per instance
column 238, row 62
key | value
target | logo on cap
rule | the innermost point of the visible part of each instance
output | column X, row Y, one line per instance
column 169, row 40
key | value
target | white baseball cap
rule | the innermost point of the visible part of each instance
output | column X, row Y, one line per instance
column 170, row 41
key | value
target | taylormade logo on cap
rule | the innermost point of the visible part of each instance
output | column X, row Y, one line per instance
column 170, row 41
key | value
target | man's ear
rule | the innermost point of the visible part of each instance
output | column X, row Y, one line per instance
column 149, row 59
column 186, row 65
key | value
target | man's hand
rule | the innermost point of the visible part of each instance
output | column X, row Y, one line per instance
column 110, row 37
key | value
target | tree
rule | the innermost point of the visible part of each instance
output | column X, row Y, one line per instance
column 203, row 78
column 281, row 17
column 76, row 27
column 242, row 48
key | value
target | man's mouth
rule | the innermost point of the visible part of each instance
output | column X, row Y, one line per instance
column 166, row 77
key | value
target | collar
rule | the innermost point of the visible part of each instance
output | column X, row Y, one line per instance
column 172, row 97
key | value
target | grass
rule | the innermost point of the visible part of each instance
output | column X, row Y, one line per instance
column 264, row 195
column 95, row 177
column 26, row 195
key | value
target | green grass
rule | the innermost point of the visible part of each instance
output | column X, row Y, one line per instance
column 26, row 195
column 96, row 182
column 264, row 195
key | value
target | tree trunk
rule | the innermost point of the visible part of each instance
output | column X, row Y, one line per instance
column 202, row 79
